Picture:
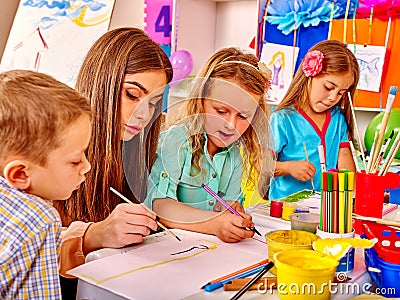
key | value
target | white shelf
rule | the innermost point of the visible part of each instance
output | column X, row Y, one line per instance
column 373, row 109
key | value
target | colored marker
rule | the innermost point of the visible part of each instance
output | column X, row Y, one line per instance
column 342, row 206
column 213, row 286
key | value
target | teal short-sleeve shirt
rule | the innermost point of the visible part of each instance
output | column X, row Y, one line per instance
column 173, row 176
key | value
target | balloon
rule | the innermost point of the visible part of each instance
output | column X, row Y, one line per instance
column 375, row 125
column 182, row 64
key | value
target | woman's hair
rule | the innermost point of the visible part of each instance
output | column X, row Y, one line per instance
column 35, row 110
column 117, row 53
column 338, row 60
column 234, row 65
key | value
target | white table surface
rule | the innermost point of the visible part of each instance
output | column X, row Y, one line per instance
column 360, row 277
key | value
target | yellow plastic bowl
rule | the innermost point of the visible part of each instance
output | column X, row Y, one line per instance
column 280, row 240
column 304, row 274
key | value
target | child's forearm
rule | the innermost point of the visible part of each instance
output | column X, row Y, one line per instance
column 174, row 211
column 175, row 214
column 281, row 168
column 345, row 160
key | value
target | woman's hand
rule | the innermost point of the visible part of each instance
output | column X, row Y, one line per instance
column 127, row 224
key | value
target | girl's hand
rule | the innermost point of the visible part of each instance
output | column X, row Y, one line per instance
column 301, row 170
column 231, row 228
column 127, row 224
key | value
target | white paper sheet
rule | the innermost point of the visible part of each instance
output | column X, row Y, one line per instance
column 151, row 270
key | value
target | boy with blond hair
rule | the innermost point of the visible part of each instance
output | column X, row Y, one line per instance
column 45, row 127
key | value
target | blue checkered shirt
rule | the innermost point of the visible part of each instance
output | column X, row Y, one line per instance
column 30, row 239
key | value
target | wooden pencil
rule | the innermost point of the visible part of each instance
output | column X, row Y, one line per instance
column 262, row 284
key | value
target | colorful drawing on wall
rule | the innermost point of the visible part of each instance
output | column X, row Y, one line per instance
column 370, row 59
column 280, row 59
column 53, row 36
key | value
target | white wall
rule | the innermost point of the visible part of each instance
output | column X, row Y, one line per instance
column 236, row 24
column 128, row 13
column 196, row 21
column 8, row 8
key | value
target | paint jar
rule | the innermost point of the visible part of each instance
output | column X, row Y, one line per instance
column 304, row 274
column 288, row 209
column 346, row 263
column 276, row 208
column 280, row 240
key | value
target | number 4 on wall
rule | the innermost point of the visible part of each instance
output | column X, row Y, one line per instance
column 158, row 20
column 163, row 22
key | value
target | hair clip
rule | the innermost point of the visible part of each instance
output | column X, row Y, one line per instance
column 312, row 64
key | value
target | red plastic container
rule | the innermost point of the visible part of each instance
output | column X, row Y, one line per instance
column 370, row 195
column 370, row 192
column 388, row 245
column 383, row 260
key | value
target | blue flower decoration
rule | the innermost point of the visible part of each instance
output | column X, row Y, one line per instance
column 307, row 13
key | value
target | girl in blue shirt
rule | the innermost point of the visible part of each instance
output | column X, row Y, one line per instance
column 315, row 111
column 224, row 119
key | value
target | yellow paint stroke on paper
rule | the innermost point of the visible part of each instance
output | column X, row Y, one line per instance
column 213, row 246
column 84, row 21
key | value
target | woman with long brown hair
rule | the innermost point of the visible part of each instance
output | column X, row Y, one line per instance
column 124, row 76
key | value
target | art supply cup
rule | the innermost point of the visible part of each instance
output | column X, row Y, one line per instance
column 276, row 208
column 346, row 263
column 370, row 194
column 304, row 274
column 288, row 209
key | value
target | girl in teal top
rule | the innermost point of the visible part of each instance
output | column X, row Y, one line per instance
column 222, row 130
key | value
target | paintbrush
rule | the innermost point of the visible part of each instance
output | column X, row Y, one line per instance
column 252, row 281
column 360, row 143
column 372, row 151
column 306, row 153
column 354, row 155
column 377, row 220
column 391, row 155
column 130, row 202
column 382, row 152
column 389, row 104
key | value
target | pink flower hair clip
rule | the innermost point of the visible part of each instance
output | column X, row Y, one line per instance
column 312, row 64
